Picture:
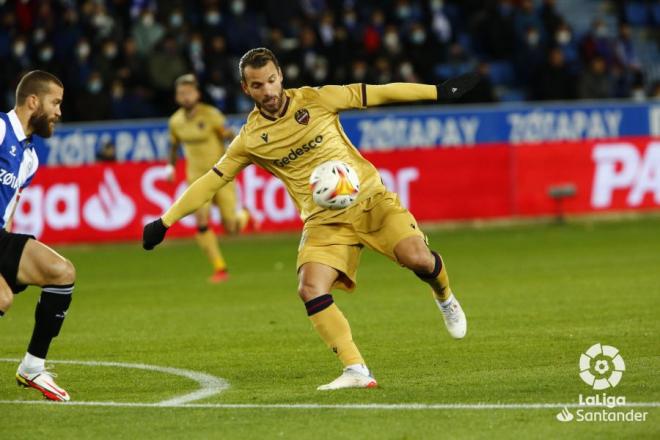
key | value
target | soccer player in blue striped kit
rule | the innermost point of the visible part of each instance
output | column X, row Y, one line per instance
column 24, row 261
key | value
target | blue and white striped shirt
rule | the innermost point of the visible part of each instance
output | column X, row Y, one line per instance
column 18, row 163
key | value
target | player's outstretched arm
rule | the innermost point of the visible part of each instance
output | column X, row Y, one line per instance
column 200, row 192
column 449, row 90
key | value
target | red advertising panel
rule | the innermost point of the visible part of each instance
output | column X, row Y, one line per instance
column 612, row 175
column 112, row 202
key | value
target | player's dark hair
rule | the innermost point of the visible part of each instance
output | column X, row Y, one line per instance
column 36, row 82
column 186, row 80
column 256, row 58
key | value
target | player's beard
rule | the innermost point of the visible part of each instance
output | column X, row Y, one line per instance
column 40, row 124
column 272, row 104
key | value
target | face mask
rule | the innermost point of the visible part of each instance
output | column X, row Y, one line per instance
column 148, row 20
column 118, row 92
column 292, row 71
column 391, row 40
column 19, row 49
column 213, row 18
column 83, row 51
column 436, row 5
column 320, row 74
column 533, row 39
column 563, row 37
column 406, row 70
column 237, row 7
column 95, row 86
column 403, row 12
column 110, row 52
column 46, row 55
column 195, row 48
column 39, row 35
column 176, row 20
column 418, row 37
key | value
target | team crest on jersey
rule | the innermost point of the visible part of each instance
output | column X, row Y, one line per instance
column 264, row 136
column 201, row 125
column 302, row 116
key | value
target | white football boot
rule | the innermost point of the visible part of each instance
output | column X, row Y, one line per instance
column 454, row 317
column 352, row 377
column 42, row 381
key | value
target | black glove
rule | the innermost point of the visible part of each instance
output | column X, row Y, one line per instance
column 454, row 88
column 153, row 234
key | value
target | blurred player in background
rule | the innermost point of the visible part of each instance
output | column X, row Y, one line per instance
column 289, row 133
column 200, row 128
column 25, row 261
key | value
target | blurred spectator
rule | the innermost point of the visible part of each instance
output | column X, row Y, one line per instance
column 526, row 18
column 147, row 32
column 107, row 153
column 108, row 63
column 595, row 83
column 93, row 103
column 550, row 17
column 243, row 29
column 597, row 43
column 440, row 22
column 164, row 65
column 565, row 41
column 531, row 55
column 421, row 52
column 625, row 50
column 484, row 90
column 138, row 47
column 553, row 80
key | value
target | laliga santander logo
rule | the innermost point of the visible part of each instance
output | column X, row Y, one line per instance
column 601, row 367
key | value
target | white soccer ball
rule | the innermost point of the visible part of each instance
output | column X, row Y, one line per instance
column 334, row 185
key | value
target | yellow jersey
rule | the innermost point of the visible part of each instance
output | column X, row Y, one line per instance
column 201, row 137
column 306, row 133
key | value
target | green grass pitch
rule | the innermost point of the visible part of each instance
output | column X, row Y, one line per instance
column 535, row 296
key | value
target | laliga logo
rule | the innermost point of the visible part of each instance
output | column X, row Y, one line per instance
column 601, row 367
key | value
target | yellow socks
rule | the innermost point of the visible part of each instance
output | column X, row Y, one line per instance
column 243, row 218
column 330, row 323
column 438, row 279
column 209, row 244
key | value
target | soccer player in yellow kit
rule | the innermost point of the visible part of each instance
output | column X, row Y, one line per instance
column 200, row 128
column 289, row 133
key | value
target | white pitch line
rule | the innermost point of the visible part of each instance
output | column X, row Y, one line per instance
column 209, row 385
column 348, row 406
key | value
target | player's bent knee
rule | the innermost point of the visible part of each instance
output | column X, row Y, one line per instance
column 418, row 260
column 309, row 291
column 61, row 272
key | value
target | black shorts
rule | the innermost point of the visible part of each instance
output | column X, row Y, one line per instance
column 11, row 249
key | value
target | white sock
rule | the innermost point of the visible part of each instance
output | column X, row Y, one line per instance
column 360, row 368
column 32, row 364
column 445, row 304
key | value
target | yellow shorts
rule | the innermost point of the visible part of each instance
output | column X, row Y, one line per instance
column 225, row 199
column 379, row 222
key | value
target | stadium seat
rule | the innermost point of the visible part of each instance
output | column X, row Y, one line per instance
column 637, row 14
column 501, row 73
column 507, row 94
column 450, row 70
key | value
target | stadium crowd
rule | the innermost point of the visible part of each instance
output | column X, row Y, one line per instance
column 118, row 59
